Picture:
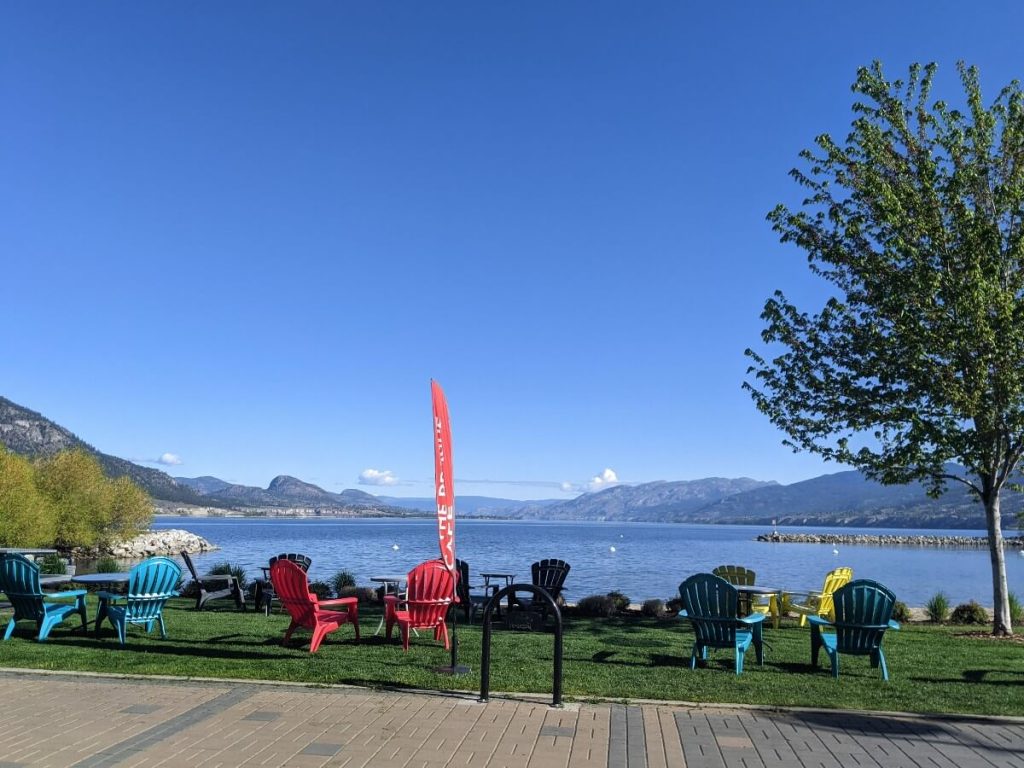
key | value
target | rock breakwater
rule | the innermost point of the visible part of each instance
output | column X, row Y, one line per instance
column 163, row 542
column 888, row 540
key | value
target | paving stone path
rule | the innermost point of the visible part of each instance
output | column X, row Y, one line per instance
column 94, row 722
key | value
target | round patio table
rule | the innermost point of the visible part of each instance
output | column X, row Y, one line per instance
column 116, row 580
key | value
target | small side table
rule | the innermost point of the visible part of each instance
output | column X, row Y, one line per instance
column 496, row 587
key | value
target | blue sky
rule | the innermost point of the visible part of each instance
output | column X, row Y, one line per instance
column 247, row 235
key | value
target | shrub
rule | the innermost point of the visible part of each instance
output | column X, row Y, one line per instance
column 937, row 608
column 969, row 613
column 52, row 564
column 342, row 580
column 107, row 564
column 900, row 612
column 321, row 589
column 1016, row 609
column 598, row 606
column 653, row 608
column 227, row 568
column 363, row 594
column 620, row 601
column 673, row 605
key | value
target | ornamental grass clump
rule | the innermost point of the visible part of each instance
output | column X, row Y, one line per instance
column 969, row 613
column 1016, row 609
column 900, row 612
column 342, row 582
column 620, row 601
column 937, row 608
column 52, row 564
column 229, row 569
column 107, row 564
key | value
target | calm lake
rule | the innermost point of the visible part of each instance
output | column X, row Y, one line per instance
column 642, row 560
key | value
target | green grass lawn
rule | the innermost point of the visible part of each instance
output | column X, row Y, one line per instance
column 932, row 668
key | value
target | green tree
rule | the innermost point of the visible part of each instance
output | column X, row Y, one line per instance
column 91, row 510
column 26, row 517
column 917, row 358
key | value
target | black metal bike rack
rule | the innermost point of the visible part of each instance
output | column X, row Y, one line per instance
column 485, row 651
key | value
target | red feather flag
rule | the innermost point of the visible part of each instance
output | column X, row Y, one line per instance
column 444, row 478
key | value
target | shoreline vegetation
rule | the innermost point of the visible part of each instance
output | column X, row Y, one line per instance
column 888, row 540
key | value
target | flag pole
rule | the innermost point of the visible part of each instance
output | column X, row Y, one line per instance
column 444, row 491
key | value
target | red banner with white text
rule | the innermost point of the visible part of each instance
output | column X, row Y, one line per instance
column 444, row 478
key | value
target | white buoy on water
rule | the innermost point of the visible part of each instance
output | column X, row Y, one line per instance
column 611, row 549
column 394, row 547
column 835, row 551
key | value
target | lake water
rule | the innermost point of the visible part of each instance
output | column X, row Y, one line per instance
column 642, row 560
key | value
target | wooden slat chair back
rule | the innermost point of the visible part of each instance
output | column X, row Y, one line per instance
column 428, row 594
column 151, row 584
column 214, row 586
column 820, row 603
column 291, row 585
column 550, row 574
column 710, row 603
column 863, row 613
column 739, row 576
column 467, row 601
column 19, row 579
column 265, row 596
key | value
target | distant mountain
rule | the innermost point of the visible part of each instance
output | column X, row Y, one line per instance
column 850, row 499
column 28, row 433
column 661, row 501
column 471, row 506
column 285, row 491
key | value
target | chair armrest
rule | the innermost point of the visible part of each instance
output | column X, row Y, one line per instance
column 339, row 601
column 821, row 622
column 894, row 624
column 754, row 618
column 682, row 614
column 67, row 593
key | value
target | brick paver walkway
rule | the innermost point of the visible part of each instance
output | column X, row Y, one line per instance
column 93, row 722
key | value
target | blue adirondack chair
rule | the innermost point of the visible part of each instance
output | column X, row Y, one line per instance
column 150, row 584
column 710, row 603
column 19, row 578
column 863, row 611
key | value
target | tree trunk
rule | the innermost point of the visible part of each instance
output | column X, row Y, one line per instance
column 1000, row 595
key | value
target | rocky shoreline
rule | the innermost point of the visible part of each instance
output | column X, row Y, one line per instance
column 171, row 541
column 888, row 540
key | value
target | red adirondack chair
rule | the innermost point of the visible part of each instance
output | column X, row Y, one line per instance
column 425, row 604
column 291, row 586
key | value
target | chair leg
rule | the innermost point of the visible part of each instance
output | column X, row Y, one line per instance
column 318, row 636
column 353, row 616
column 288, row 633
column 163, row 629
column 834, row 658
column 881, row 663
column 10, row 630
column 80, row 607
column 405, row 636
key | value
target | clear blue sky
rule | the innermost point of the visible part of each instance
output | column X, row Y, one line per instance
column 248, row 234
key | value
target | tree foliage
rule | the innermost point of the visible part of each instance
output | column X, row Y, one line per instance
column 917, row 358
column 26, row 516
column 65, row 500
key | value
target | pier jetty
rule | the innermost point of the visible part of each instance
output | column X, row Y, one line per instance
column 888, row 540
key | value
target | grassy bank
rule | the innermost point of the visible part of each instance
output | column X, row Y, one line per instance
column 932, row 668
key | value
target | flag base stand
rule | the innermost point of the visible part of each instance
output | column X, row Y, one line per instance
column 458, row 669
column 454, row 668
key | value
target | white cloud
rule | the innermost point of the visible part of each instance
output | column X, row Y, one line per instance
column 171, row 459
column 603, row 480
column 377, row 477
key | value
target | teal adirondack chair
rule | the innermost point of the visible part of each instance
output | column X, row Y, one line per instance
column 710, row 603
column 863, row 611
column 19, row 578
column 151, row 583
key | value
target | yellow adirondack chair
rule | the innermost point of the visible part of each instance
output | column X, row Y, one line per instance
column 820, row 603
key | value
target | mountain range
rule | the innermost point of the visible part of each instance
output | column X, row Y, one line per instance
column 839, row 499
